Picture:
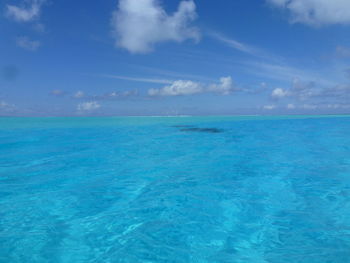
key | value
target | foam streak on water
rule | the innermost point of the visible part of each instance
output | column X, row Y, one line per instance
column 173, row 190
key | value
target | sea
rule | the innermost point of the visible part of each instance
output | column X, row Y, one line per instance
column 218, row 189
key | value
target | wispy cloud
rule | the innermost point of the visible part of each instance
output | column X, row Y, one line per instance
column 243, row 47
column 339, row 92
column 235, row 44
column 26, row 43
column 343, row 52
column 28, row 11
column 174, row 74
column 145, row 80
column 58, row 93
column 40, row 28
column 137, row 25
column 286, row 73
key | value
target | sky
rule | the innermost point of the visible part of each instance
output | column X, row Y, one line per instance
column 173, row 57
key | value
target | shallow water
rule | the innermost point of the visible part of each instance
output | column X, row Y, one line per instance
column 204, row 190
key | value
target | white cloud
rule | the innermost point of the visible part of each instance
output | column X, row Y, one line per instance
column 299, row 90
column 6, row 107
column 129, row 93
column 79, row 94
column 88, row 106
column 188, row 87
column 28, row 11
column 3, row 104
column 304, row 90
column 225, row 86
column 26, row 43
column 279, row 93
column 100, row 97
column 320, row 106
column 116, row 95
column 140, row 24
column 179, row 87
column 269, row 107
column 113, row 94
column 316, row 12
column 291, row 106
column 338, row 106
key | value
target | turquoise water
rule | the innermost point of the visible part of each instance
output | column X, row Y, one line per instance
column 173, row 190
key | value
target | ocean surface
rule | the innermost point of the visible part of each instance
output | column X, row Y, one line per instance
column 175, row 190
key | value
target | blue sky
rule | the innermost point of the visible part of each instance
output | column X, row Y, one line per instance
column 171, row 57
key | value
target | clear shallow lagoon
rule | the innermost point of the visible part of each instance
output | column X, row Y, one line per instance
column 171, row 190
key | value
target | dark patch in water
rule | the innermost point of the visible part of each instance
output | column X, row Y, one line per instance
column 183, row 126
column 192, row 128
column 207, row 130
